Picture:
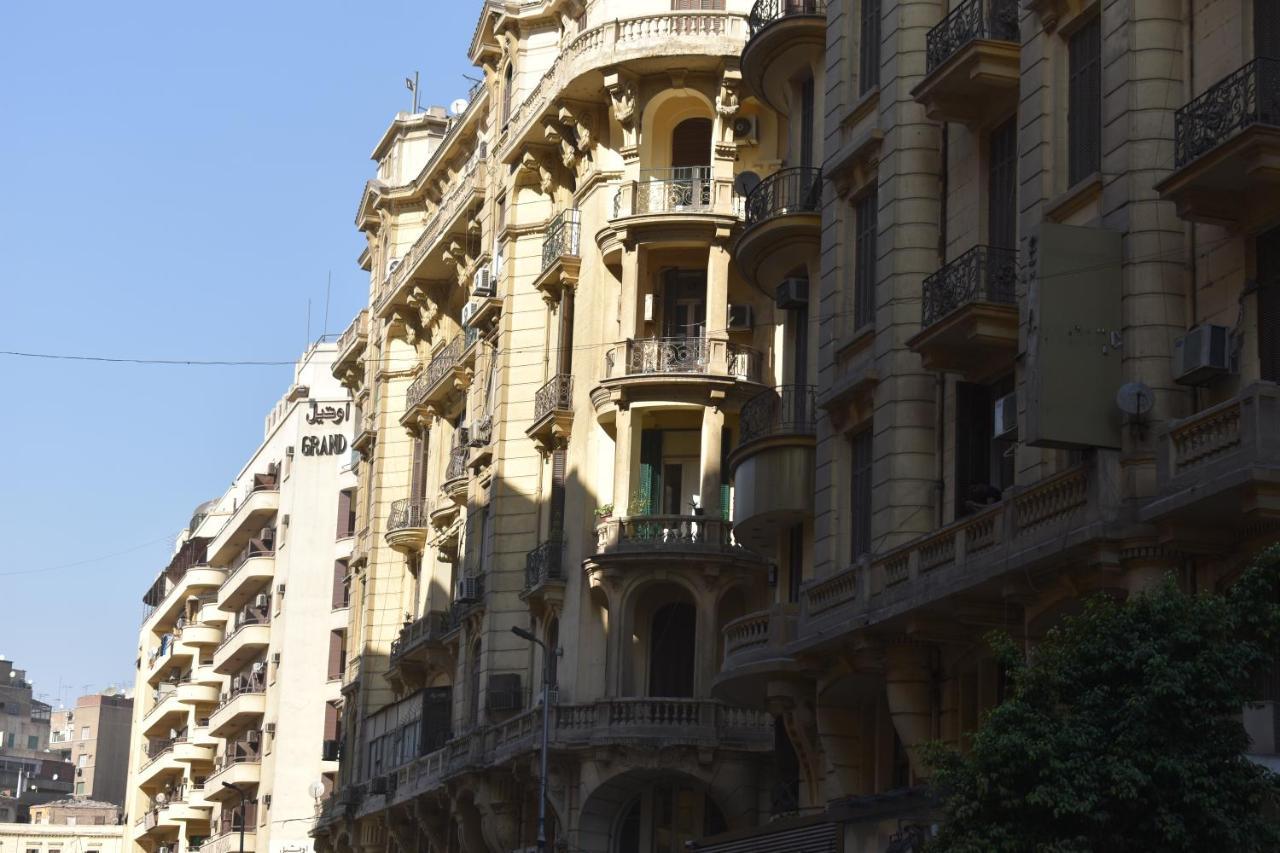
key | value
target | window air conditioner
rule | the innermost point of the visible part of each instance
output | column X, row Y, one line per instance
column 261, row 600
column 470, row 589
column 1201, row 355
column 1005, row 416
column 741, row 318
column 275, row 658
column 280, row 589
column 253, row 736
column 482, row 283
column 468, row 311
column 792, row 293
column 271, row 729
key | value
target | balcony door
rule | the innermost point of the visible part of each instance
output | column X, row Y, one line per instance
column 1002, row 186
column 1266, row 29
column 671, row 645
column 1268, row 260
column 684, row 313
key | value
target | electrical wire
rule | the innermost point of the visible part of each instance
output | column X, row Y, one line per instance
column 89, row 560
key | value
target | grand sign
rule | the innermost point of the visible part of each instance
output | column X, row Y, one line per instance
column 326, row 445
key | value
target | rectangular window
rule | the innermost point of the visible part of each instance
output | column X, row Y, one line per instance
column 84, row 733
column 341, row 586
column 33, row 741
column 984, row 465
column 860, row 494
column 869, row 47
column 337, row 654
column 1084, row 101
column 864, row 260
column 806, row 121
column 83, row 760
column 346, row 513
column 1002, row 186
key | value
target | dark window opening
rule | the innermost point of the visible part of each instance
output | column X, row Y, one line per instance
column 860, row 494
column 869, row 47
column 671, row 646
column 1084, row 101
column 864, row 260
column 1002, row 186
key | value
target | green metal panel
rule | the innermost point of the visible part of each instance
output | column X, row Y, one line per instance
column 1073, row 361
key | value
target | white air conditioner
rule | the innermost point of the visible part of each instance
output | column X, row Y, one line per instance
column 164, row 849
column 279, row 589
column 469, row 589
column 792, row 293
column 261, row 600
column 1004, row 418
column 259, row 666
column 253, row 736
column 1201, row 355
column 482, row 283
column 741, row 318
column 275, row 658
column 468, row 311
column 271, row 728
column 746, row 130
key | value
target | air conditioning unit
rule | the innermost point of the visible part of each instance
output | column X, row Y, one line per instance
column 275, row 658
column 258, row 667
column 271, row 729
column 164, row 849
column 746, row 130
column 378, row 785
column 792, row 293
column 279, row 589
column 330, row 750
column 349, row 796
column 1201, row 355
column 261, row 600
column 1004, row 418
column 253, row 736
column 468, row 311
column 266, row 800
column 470, row 590
column 483, row 283
column 741, row 318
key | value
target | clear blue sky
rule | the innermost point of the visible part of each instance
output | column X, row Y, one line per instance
column 176, row 180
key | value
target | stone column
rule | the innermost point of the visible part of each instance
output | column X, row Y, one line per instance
column 626, row 450
column 630, row 294
column 907, row 693
column 718, row 293
column 711, row 476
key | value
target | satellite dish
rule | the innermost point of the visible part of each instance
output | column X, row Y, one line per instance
column 745, row 183
column 458, row 107
column 161, row 798
column 316, row 790
column 1135, row 398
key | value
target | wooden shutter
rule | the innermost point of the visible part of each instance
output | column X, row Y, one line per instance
column 336, row 654
column 1002, row 186
column 649, row 488
column 330, row 721
column 556, row 525
column 344, row 512
column 864, row 259
column 973, row 441
column 1084, row 101
column 1268, row 261
column 419, row 469
column 339, row 584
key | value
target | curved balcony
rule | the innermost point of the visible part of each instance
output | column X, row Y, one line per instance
column 681, row 204
column 969, row 316
column 191, row 693
column 170, row 657
column 690, row 541
column 230, row 842
column 194, row 581
column 407, row 524
column 454, row 484
column 677, row 370
column 351, row 344
column 783, row 224
column 244, row 705
column 191, row 752
column 552, row 411
column 167, row 712
column 420, row 648
column 773, row 465
column 1226, row 143
column 158, row 759
column 250, row 575
column 188, row 810
column 240, row 770
column 972, row 59
column 788, row 41
column 200, row 635
column 248, row 641
column 561, row 254
column 755, row 654
column 248, row 520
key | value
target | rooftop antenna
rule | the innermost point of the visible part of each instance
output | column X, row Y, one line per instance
column 412, row 86
column 308, row 341
column 324, row 330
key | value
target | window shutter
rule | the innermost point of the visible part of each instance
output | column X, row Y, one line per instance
column 1266, row 29
column 344, row 510
column 556, row 526
column 864, row 260
column 330, row 721
column 339, row 584
column 650, row 485
column 1002, row 187
column 1268, row 259
column 419, row 474
column 335, row 654
column 1084, row 101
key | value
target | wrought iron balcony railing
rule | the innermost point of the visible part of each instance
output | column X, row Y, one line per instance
column 682, row 355
column 972, row 20
column 440, row 365
column 408, row 513
column 555, row 396
column 679, row 190
column 667, row 533
column 797, row 189
column 787, row 410
column 982, row 274
column 457, row 463
column 429, row 628
column 543, row 564
column 1246, row 97
column 562, row 237
column 766, row 12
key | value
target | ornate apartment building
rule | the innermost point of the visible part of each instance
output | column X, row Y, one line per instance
column 761, row 358
column 240, row 655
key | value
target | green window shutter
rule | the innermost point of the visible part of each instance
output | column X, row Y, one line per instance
column 726, row 442
column 650, row 486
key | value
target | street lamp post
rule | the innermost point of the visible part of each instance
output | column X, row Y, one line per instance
column 243, row 815
column 546, row 723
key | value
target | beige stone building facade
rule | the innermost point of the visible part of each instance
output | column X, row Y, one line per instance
column 56, row 838
column 94, row 737
column 762, row 357
column 241, row 650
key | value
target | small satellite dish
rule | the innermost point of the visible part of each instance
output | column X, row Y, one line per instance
column 745, row 183
column 316, row 790
column 1135, row 398
column 458, row 107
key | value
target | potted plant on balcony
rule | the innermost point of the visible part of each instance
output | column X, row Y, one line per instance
column 603, row 513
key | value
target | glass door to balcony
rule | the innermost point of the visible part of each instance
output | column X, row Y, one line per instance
column 684, row 304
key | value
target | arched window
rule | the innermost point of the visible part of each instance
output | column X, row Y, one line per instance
column 691, row 143
column 671, row 650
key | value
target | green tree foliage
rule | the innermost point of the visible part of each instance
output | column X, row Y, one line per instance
column 1122, row 731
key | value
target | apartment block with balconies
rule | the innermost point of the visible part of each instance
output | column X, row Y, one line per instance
column 237, row 681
